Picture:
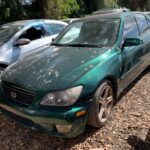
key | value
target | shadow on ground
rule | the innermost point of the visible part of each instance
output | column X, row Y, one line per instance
column 139, row 144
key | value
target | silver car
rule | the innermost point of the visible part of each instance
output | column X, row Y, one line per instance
column 17, row 39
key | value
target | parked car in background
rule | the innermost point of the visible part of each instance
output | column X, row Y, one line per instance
column 19, row 38
column 111, row 10
column 77, row 80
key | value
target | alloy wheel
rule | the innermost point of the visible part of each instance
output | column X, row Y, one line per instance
column 105, row 103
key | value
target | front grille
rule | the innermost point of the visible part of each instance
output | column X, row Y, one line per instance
column 17, row 95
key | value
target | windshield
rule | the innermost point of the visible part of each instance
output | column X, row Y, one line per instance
column 7, row 31
column 102, row 32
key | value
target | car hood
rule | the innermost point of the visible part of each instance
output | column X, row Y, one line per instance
column 54, row 68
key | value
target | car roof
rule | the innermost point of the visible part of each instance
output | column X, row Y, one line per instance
column 28, row 22
column 113, row 15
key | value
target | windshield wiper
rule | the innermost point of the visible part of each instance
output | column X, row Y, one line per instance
column 56, row 44
column 76, row 45
column 83, row 45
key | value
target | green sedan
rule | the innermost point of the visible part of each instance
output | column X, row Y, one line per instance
column 77, row 80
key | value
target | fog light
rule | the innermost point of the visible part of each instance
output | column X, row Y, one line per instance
column 63, row 128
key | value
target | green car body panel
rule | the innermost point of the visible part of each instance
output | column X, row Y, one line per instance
column 62, row 67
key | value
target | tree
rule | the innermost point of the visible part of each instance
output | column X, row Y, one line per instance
column 109, row 4
column 135, row 5
column 10, row 10
column 93, row 5
column 55, row 9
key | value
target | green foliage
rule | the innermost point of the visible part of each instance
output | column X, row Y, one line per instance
column 58, row 9
column 109, row 4
column 55, row 9
column 11, row 9
column 70, row 8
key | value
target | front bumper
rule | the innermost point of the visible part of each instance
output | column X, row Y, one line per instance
column 47, row 119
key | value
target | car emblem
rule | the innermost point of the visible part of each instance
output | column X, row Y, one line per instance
column 13, row 95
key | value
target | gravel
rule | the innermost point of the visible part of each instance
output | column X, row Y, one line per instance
column 127, row 129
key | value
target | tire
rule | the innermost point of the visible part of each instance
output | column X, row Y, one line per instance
column 103, row 101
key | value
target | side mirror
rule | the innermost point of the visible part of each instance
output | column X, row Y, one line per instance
column 22, row 42
column 132, row 42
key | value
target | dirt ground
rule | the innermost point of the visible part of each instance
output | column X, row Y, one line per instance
column 128, row 127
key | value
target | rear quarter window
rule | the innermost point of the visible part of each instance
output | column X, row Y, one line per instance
column 142, row 23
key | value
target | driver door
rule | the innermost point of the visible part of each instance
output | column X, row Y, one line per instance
column 130, row 55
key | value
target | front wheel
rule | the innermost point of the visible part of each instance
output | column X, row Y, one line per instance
column 100, row 109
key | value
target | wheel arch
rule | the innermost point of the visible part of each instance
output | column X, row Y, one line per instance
column 92, row 114
column 113, row 81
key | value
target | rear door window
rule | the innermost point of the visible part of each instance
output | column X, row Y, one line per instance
column 54, row 28
column 130, row 28
column 142, row 23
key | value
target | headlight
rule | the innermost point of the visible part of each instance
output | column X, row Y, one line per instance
column 62, row 98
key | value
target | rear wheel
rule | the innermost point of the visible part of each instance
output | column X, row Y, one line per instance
column 102, row 104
